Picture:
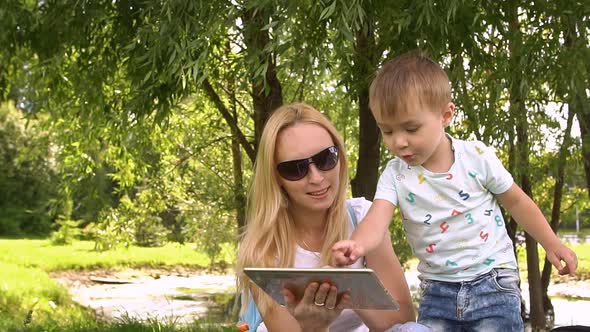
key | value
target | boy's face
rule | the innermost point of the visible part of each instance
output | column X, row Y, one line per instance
column 417, row 135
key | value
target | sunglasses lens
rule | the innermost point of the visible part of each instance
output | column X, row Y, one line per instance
column 327, row 159
column 293, row 170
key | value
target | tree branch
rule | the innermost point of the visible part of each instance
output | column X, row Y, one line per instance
column 231, row 121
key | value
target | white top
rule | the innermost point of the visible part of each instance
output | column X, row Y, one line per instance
column 348, row 319
column 452, row 219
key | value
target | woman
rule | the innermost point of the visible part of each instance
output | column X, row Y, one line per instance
column 297, row 210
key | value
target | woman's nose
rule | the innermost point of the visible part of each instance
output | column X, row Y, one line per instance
column 314, row 174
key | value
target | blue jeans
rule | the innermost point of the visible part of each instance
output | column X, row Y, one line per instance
column 490, row 302
column 408, row 327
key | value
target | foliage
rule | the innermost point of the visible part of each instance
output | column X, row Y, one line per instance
column 111, row 232
column 68, row 230
column 402, row 248
column 27, row 174
column 132, row 61
column 210, row 229
column 66, row 234
column 132, row 106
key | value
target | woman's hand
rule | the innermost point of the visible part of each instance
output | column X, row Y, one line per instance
column 318, row 307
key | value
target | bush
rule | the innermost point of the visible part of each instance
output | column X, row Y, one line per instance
column 18, row 221
column 66, row 234
column 400, row 242
column 111, row 231
column 149, row 232
column 26, row 179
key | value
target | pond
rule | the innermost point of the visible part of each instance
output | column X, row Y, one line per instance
column 144, row 295
column 186, row 296
column 571, row 301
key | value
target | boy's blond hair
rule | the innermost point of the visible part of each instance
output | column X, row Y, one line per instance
column 411, row 77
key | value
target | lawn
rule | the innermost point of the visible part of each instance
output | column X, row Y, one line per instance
column 582, row 250
column 31, row 301
column 81, row 256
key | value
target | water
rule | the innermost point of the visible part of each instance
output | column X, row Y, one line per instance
column 571, row 302
column 171, row 298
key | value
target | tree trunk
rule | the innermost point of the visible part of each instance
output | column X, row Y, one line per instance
column 584, row 121
column 537, row 314
column 239, row 195
column 267, row 93
column 579, row 90
column 556, row 210
column 518, row 109
column 367, row 169
column 569, row 37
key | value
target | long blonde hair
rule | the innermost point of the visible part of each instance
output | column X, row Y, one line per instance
column 269, row 237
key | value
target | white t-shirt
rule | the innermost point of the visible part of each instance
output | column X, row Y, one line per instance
column 452, row 219
column 348, row 321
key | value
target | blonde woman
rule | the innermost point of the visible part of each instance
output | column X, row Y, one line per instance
column 297, row 209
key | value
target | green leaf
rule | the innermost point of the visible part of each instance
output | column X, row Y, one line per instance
column 328, row 11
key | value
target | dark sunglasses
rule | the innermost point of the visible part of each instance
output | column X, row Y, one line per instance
column 294, row 170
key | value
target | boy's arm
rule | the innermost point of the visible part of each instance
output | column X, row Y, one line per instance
column 367, row 236
column 374, row 225
column 527, row 214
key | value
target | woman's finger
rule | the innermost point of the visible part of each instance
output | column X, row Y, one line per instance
column 322, row 294
column 309, row 294
column 289, row 298
column 332, row 297
column 344, row 301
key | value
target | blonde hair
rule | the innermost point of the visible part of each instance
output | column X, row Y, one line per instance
column 269, row 237
column 410, row 77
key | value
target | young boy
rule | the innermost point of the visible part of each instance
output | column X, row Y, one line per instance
column 448, row 192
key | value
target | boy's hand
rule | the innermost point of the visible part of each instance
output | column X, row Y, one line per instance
column 563, row 253
column 346, row 252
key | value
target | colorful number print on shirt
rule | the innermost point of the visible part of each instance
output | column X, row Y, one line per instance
column 452, row 219
column 427, row 220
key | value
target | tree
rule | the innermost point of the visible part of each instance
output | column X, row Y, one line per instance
column 27, row 175
column 150, row 98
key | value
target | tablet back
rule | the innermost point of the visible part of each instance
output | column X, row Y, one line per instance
column 365, row 289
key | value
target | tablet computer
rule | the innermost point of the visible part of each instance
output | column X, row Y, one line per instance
column 365, row 289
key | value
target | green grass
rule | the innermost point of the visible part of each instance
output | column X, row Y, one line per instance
column 81, row 256
column 30, row 300
column 584, row 231
column 582, row 250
